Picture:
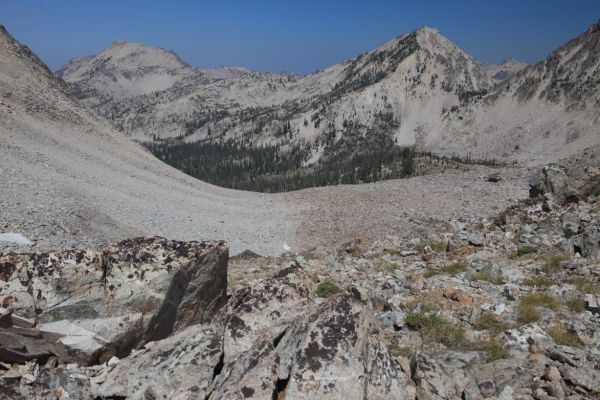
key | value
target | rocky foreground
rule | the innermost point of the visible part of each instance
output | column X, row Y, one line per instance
column 505, row 308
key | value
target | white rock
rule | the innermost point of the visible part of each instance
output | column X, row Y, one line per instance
column 15, row 238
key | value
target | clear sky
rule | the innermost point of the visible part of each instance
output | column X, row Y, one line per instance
column 298, row 36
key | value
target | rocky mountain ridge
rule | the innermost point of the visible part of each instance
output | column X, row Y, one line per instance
column 418, row 90
column 414, row 87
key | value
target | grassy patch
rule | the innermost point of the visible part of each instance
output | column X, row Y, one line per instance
column 451, row 269
column 401, row 351
column 552, row 263
column 435, row 329
column 540, row 281
column 484, row 276
column 527, row 311
column 386, row 266
column 576, row 304
column 327, row 288
column 493, row 348
column 435, row 246
column 489, row 321
column 526, row 249
column 585, row 285
column 563, row 337
column 393, row 251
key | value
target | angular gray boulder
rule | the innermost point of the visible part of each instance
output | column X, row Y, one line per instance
column 565, row 184
column 92, row 305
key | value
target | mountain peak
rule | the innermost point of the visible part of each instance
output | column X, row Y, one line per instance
column 117, row 43
column 428, row 30
column 125, row 69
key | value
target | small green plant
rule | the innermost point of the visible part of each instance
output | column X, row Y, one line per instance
column 401, row 351
column 563, row 337
column 527, row 310
column 585, row 285
column 576, row 304
column 327, row 288
column 552, row 263
column 526, row 249
column 484, row 276
column 418, row 320
column 490, row 322
column 540, row 281
column 435, row 246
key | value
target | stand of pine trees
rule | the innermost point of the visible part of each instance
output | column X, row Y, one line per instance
column 354, row 158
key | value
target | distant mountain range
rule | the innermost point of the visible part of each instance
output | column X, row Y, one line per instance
column 416, row 90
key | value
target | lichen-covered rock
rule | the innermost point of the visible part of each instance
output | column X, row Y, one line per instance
column 91, row 305
column 332, row 351
column 265, row 310
column 179, row 367
column 564, row 184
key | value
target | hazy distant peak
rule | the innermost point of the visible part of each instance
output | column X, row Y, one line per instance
column 125, row 69
column 117, row 43
column 428, row 31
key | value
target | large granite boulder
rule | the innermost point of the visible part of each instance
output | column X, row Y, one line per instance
column 90, row 305
column 306, row 350
column 565, row 184
column 180, row 367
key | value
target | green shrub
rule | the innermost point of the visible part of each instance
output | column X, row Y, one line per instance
column 526, row 249
column 484, row 276
column 417, row 320
column 327, row 288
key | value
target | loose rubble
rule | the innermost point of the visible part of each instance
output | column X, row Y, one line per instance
column 501, row 308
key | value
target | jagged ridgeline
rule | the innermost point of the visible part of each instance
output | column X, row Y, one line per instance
column 347, row 123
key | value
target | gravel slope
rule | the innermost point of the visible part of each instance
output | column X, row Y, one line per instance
column 69, row 180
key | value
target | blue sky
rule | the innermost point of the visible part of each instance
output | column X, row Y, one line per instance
column 298, row 36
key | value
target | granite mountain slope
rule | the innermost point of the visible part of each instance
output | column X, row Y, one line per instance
column 71, row 180
column 417, row 89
